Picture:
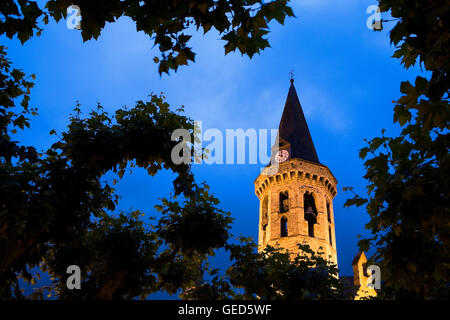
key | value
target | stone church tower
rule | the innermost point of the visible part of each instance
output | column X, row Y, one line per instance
column 296, row 202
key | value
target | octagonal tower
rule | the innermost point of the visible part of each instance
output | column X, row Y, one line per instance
column 296, row 202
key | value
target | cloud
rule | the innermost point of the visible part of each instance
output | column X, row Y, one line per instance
column 265, row 108
column 324, row 109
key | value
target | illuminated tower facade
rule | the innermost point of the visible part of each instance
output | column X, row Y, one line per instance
column 296, row 201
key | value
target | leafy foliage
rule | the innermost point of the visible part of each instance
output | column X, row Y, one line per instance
column 56, row 211
column 242, row 24
column 408, row 175
column 17, row 163
column 273, row 274
column 20, row 18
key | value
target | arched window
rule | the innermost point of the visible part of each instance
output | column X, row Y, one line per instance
column 264, row 230
column 329, row 235
column 328, row 212
column 284, row 202
column 310, row 212
column 283, row 227
column 265, row 211
column 310, row 229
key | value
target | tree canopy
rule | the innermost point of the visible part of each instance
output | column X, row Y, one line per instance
column 56, row 209
column 242, row 24
column 408, row 187
column 273, row 274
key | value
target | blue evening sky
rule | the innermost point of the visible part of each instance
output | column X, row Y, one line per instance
column 345, row 78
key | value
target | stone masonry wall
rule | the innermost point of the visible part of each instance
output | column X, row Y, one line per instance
column 297, row 177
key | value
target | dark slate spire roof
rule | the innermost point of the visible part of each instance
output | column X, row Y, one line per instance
column 294, row 129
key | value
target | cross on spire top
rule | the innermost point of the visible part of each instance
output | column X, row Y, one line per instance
column 291, row 76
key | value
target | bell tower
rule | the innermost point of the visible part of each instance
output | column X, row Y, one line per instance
column 296, row 201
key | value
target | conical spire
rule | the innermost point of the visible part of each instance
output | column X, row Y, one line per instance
column 294, row 129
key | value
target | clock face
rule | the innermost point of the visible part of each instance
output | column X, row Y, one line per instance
column 282, row 156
